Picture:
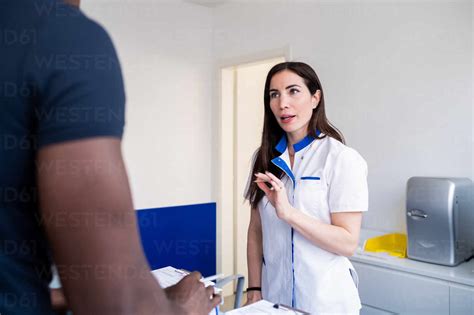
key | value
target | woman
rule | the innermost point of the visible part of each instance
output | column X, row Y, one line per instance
column 307, row 199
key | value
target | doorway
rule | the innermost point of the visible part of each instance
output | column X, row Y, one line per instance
column 241, row 124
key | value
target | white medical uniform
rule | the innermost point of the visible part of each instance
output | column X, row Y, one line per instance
column 327, row 177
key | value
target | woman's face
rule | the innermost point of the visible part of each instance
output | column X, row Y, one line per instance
column 292, row 103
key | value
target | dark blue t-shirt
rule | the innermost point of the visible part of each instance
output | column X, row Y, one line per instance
column 60, row 80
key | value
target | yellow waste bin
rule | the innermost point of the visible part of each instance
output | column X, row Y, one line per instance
column 394, row 244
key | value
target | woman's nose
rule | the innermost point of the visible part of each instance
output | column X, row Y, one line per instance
column 284, row 101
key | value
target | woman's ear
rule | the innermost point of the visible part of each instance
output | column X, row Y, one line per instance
column 315, row 98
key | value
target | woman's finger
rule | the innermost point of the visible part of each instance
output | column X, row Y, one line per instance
column 275, row 179
column 264, row 187
column 261, row 176
column 275, row 186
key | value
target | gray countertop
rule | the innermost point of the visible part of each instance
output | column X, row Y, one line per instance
column 461, row 274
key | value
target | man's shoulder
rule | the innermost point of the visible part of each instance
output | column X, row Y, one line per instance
column 49, row 16
column 36, row 12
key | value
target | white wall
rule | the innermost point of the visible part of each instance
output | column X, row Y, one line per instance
column 397, row 79
column 165, row 52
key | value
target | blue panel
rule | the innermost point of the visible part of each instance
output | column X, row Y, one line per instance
column 182, row 237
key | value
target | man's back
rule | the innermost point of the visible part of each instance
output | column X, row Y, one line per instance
column 62, row 173
column 52, row 59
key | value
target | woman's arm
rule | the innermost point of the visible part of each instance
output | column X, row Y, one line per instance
column 340, row 237
column 254, row 255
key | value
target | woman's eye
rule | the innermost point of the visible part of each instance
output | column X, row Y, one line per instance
column 273, row 95
column 294, row 91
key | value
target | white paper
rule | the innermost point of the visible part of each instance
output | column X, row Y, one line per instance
column 168, row 276
column 262, row 307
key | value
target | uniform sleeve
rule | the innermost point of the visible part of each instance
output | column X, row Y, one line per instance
column 77, row 75
column 348, row 189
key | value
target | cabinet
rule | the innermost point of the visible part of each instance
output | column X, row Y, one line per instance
column 461, row 299
column 369, row 310
column 386, row 291
column 389, row 285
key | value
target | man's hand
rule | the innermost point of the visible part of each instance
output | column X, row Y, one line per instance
column 191, row 297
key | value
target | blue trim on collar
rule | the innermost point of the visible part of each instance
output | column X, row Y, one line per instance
column 279, row 162
column 303, row 143
column 281, row 146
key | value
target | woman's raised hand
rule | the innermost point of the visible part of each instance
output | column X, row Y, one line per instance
column 276, row 193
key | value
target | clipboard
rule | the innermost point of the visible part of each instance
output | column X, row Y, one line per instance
column 290, row 309
column 168, row 276
column 264, row 307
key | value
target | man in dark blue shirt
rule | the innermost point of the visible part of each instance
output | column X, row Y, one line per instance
column 64, row 193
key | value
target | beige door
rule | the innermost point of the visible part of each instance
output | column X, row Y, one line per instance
column 241, row 125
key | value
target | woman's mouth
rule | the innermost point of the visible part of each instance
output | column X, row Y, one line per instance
column 287, row 118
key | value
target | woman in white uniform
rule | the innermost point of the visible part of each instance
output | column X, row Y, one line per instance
column 307, row 193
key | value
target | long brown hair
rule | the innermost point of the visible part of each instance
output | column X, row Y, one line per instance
column 272, row 131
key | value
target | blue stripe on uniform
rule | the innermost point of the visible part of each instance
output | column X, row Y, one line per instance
column 280, row 163
column 293, row 296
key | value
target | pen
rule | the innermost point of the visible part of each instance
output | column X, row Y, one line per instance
column 278, row 306
column 289, row 309
column 211, row 278
column 181, row 272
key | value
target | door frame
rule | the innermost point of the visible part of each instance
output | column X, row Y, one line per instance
column 223, row 182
